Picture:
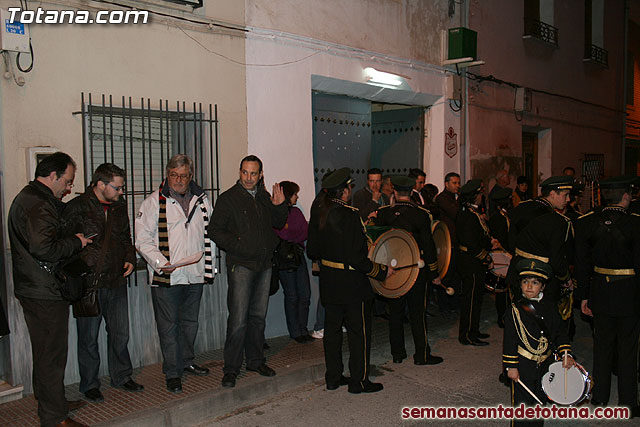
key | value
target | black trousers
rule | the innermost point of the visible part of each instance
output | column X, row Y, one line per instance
column 471, row 299
column 357, row 319
column 613, row 334
column 519, row 395
column 48, row 324
column 416, row 300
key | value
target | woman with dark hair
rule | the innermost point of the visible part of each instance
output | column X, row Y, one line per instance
column 295, row 277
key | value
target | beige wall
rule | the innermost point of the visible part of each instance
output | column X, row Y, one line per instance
column 403, row 28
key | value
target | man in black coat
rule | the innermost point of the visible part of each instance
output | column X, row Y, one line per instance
column 408, row 216
column 370, row 198
column 337, row 240
column 475, row 242
column 102, row 212
column 607, row 266
column 499, row 224
column 40, row 242
column 242, row 225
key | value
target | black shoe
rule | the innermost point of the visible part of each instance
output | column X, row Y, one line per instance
column 368, row 387
column 92, row 395
column 266, row 346
column 302, row 339
column 598, row 403
column 174, row 385
column 343, row 381
column 483, row 336
column 263, row 370
column 229, row 380
column 307, row 337
column 131, row 385
column 635, row 412
column 197, row 370
column 475, row 342
column 431, row 360
column 399, row 359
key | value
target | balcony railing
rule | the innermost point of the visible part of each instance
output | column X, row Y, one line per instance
column 539, row 30
column 597, row 54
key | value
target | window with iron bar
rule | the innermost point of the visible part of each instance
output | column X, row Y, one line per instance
column 141, row 140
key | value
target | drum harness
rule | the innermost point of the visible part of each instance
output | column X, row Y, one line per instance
column 539, row 354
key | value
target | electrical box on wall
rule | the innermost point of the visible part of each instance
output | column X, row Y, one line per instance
column 462, row 43
column 453, row 87
column 523, row 99
column 14, row 36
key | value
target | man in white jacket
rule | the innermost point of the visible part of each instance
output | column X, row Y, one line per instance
column 171, row 225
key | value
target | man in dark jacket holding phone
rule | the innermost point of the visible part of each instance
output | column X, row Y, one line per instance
column 102, row 212
column 40, row 243
column 242, row 225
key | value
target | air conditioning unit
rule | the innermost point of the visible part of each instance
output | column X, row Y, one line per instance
column 523, row 99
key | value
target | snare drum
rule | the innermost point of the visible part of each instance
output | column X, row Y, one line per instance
column 496, row 278
column 578, row 384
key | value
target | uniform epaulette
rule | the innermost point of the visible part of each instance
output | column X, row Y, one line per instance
column 635, row 214
column 384, row 207
column 563, row 216
column 587, row 214
column 428, row 213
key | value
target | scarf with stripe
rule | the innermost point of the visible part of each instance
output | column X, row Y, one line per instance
column 164, row 280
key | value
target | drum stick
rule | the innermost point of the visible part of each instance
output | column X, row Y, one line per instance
column 529, row 391
column 419, row 264
column 565, row 375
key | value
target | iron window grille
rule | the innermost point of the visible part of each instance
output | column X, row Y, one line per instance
column 593, row 167
column 142, row 139
column 597, row 54
column 534, row 28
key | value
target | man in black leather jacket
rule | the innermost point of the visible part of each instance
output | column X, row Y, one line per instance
column 242, row 225
column 40, row 242
column 101, row 209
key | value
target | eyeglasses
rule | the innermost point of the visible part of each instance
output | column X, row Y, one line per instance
column 177, row 176
column 67, row 182
column 120, row 188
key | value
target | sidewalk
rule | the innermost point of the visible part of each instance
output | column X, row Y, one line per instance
column 203, row 398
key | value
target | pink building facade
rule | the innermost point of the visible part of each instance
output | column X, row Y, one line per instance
column 543, row 101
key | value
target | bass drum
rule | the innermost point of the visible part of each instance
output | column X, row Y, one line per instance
column 571, row 390
column 442, row 239
column 395, row 244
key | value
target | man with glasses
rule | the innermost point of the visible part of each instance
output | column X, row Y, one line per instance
column 40, row 242
column 101, row 211
column 172, row 225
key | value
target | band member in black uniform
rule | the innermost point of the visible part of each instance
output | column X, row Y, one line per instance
column 607, row 267
column 533, row 330
column 539, row 231
column 499, row 228
column 475, row 244
column 416, row 193
column 337, row 240
column 417, row 221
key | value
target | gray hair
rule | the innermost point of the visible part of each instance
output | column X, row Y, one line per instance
column 179, row 160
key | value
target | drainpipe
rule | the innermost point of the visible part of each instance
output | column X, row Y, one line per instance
column 624, row 87
column 465, row 163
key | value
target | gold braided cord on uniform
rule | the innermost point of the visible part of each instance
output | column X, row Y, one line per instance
column 524, row 335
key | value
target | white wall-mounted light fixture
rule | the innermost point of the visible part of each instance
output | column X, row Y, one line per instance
column 380, row 77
